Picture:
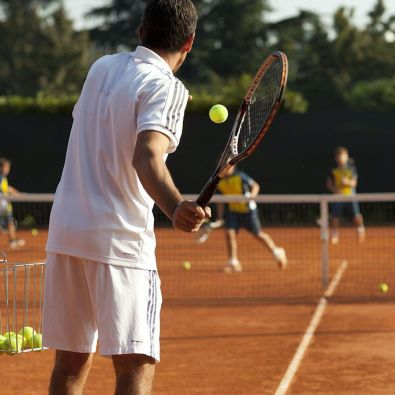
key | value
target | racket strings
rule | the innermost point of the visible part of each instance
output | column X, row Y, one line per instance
column 263, row 99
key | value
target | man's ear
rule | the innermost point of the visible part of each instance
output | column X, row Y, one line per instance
column 187, row 47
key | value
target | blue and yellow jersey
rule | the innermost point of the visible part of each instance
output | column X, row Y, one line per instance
column 4, row 205
column 338, row 173
column 237, row 183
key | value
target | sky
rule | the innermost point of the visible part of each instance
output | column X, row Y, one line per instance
column 281, row 8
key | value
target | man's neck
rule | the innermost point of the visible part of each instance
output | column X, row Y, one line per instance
column 171, row 58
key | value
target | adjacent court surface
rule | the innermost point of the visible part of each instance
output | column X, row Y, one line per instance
column 239, row 333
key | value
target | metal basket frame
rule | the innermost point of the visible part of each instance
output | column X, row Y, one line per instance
column 25, row 279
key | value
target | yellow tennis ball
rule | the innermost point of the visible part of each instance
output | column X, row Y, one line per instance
column 9, row 334
column 34, row 232
column 218, row 113
column 37, row 340
column 187, row 265
column 27, row 332
column 384, row 288
column 2, row 340
column 14, row 343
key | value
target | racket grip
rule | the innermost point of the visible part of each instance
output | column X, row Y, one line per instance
column 207, row 192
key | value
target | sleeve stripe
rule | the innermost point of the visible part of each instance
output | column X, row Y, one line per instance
column 180, row 106
column 169, row 102
column 170, row 113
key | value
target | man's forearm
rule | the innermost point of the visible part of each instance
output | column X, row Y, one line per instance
column 153, row 173
column 152, row 170
column 158, row 183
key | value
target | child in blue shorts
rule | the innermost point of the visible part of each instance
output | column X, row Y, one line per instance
column 342, row 180
column 244, row 215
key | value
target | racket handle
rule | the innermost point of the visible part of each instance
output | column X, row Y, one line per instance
column 207, row 192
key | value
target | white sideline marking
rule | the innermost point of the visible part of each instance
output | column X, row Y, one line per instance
column 308, row 335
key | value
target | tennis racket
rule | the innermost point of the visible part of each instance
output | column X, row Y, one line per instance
column 205, row 230
column 256, row 114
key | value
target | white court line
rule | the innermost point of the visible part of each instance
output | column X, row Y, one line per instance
column 308, row 335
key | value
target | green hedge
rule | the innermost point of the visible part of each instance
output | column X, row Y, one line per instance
column 228, row 93
column 378, row 95
column 37, row 105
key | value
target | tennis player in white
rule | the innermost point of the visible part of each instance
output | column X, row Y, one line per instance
column 101, row 278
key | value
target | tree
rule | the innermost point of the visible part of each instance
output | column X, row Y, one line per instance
column 230, row 40
column 379, row 53
column 40, row 54
column 362, row 54
column 306, row 42
column 121, row 19
column 67, row 54
column 225, row 29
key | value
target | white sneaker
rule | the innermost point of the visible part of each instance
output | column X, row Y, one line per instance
column 17, row 243
column 233, row 265
column 281, row 257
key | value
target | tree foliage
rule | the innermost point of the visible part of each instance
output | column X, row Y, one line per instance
column 336, row 66
column 377, row 95
column 120, row 21
column 40, row 53
column 227, row 32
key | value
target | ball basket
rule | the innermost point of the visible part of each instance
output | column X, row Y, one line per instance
column 21, row 303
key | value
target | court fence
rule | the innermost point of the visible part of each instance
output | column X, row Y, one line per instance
column 193, row 271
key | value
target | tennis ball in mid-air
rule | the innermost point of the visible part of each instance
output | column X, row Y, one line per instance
column 34, row 232
column 187, row 265
column 384, row 288
column 218, row 113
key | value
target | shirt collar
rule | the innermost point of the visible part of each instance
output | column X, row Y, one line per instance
column 148, row 56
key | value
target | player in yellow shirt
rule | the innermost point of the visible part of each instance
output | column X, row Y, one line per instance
column 243, row 215
column 6, row 217
column 343, row 180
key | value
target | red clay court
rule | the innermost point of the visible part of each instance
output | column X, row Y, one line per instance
column 239, row 333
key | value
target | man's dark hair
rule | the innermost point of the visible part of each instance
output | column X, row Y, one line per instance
column 167, row 24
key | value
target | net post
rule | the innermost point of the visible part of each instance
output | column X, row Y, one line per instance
column 324, row 223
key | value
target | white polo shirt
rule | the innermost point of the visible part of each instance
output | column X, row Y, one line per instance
column 101, row 211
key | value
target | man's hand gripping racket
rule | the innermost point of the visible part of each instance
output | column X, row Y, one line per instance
column 256, row 114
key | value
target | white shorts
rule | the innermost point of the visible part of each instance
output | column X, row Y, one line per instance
column 85, row 301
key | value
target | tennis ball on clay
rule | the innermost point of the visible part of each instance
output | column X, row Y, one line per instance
column 186, row 265
column 34, row 232
column 383, row 288
column 27, row 332
column 218, row 113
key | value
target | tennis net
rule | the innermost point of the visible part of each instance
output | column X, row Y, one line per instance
column 193, row 272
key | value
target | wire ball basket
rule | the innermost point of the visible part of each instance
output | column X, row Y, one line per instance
column 21, row 303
